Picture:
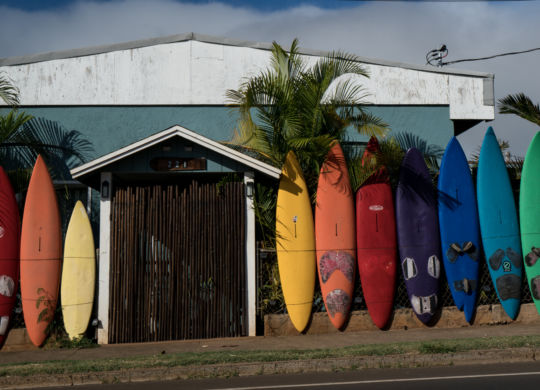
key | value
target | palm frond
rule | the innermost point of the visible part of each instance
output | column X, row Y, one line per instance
column 368, row 124
column 345, row 92
column 9, row 93
column 522, row 106
column 11, row 122
column 475, row 155
column 337, row 64
column 360, row 172
column 60, row 148
column 432, row 153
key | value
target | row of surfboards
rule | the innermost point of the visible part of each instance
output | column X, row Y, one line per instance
column 455, row 222
column 32, row 252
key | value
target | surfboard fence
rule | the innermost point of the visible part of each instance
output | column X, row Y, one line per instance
column 177, row 266
column 270, row 299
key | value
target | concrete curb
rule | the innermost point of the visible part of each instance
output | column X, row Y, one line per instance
column 410, row 360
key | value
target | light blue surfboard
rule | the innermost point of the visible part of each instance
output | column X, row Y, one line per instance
column 460, row 231
column 499, row 225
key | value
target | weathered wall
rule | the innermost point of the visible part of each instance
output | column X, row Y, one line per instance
column 193, row 72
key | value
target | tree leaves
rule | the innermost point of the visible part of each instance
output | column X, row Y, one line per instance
column 522, row 106
column 23, row 137
column 293, row 106
column 8, row 92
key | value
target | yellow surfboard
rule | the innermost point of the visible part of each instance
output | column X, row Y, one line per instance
column 78, row 273
column 295, row 243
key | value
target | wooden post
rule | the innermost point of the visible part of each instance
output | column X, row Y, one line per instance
column 104, row 257
column 251, row 297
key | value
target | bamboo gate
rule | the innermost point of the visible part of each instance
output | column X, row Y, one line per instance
column 177, row 266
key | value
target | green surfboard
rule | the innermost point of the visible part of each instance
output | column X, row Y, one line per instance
column 529, row 211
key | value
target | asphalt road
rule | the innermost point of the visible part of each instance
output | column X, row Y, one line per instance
column 520, row 376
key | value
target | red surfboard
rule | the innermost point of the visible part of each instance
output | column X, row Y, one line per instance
column 10, row 229
column 335, row 237
column 376, row 242
column 41, row 254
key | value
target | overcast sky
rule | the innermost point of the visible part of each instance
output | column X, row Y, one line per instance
column 400, row 31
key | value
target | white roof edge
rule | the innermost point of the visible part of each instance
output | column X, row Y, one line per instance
column 174, row 131
column 93, row 50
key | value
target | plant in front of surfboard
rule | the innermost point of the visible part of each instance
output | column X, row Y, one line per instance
column 44, row 301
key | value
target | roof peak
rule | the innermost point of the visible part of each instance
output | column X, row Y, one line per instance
column 95, row 50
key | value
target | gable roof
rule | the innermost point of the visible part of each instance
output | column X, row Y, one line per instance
column 87, row 51
column 101, row 163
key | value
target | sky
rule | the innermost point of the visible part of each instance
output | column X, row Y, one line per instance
column 401, row 31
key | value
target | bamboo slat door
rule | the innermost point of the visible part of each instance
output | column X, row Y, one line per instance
column 177, row 266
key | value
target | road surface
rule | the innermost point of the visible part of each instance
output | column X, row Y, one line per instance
column 519, row 376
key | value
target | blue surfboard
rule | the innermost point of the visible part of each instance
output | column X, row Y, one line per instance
column 459, row 227
column 499, row 225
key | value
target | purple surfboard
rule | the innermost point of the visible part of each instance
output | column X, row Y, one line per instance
column 418, row 235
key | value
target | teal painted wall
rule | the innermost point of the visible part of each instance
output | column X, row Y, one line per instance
column 110, row 128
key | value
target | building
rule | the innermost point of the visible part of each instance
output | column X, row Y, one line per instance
column 155, row 111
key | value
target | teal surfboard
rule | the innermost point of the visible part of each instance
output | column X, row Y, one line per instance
column 460, row 232
column 499, row 225
column 529, row 211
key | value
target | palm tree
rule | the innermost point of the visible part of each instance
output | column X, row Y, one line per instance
column 294, row 106
column 23, row 137
column 522, row 106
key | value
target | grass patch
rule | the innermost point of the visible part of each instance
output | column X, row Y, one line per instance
column 219, row 357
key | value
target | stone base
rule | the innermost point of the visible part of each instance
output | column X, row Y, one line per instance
column 450, row 317
column 17, row 340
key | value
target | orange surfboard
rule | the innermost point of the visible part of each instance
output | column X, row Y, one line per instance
column 335, row 236
column 41, row 254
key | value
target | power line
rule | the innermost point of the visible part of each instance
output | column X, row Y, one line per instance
column 439, row 54
column 493, row 56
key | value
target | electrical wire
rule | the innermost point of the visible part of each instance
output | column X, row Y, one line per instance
column 489, row 57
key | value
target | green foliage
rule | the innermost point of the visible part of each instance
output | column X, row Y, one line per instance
column 270, row 294
column 514, row 164
column 264, row 203
column 292, row 106
column 8, row 92
column 522, row 106
column 227, row 178
column 432, row 153
column 390, row 155
column 23, row 137
column 404, row 349
column 62, row 341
